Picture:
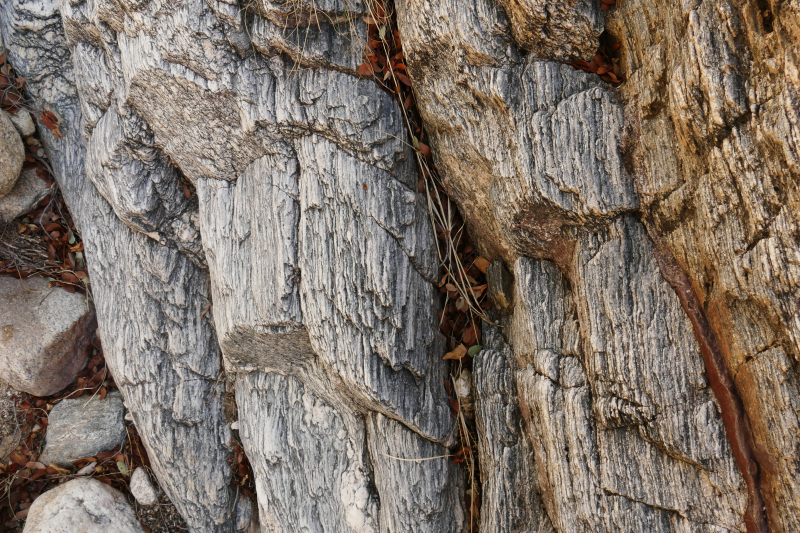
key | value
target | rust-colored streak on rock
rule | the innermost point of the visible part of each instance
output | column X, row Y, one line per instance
column 734, row 416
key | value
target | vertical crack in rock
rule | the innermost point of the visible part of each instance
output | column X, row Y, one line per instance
column 753, row 465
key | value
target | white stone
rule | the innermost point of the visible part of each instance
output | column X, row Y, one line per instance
column 142, row 489
column 80, row 506
column 43, row 335
column 83, row 427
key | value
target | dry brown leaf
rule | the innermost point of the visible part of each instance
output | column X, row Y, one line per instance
column 459, row 352
column 482, row 264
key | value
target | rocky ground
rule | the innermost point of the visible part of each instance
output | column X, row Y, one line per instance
column 67, row 443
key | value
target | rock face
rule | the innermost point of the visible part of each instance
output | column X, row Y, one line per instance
column 83, row 427
column 44, row 333
column 12, row 154
column 643, row 240
column 24, row 197
column 83, row 504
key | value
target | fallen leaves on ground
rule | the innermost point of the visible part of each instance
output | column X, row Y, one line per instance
column 13, row 98
column 24, row 478
column 45, row 241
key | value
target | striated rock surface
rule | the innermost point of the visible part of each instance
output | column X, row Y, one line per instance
column 44, row 333
column 714, row 118
column 643, row 240
column 150, row 298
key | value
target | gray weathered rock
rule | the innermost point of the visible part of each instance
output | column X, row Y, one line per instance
column 615, row 402
column 561, row 31
column 166, row 365
column 142, row 489
column 81, row 505
column 309, row 458
column 506, row 451
column 44, row 333
column 12, row 154
column 503, row 124
column 24, row 197
column 420, row 488
column 83, row 427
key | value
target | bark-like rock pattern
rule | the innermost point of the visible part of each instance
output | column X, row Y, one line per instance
column 562, row 31
column 320, row 257
column 602, row 408
column 713, row 101
column 149, row 297
column 430, row 497
column 506, row 451
column 530, row 146
column 311, row 460
column 710, row 107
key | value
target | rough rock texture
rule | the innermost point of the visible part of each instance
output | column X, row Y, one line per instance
column 517, row 137
column 430, row 496
column 150, row 297
column 83, row 427
column 83, row 504
column 44, row 333
column 319, row 254
column 506, row 452
column 653, row 373
column 12, row 154
column 24, row 197
column 715, row 116
column 644, row 243
column 142, row 489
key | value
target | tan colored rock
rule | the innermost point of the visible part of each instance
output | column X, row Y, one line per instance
column 81, row 506
column 44, row 333
column 26, row 194
column 713, row 102
column 12, row 154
